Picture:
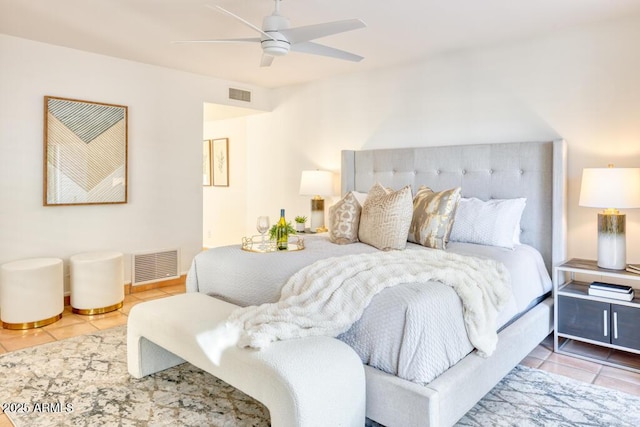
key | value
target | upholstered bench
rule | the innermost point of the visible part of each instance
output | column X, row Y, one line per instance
column 314, row 381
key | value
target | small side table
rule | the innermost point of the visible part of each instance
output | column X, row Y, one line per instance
column 604, row 330
column 31, row 293
column 97, row 282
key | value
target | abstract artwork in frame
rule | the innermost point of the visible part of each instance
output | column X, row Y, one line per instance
column 206, row 162
column 220, row 153
column 85, row 152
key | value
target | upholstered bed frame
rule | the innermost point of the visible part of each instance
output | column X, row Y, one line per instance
column 535, row 170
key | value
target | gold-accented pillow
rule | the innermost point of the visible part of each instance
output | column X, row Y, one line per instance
column 386, row 217
column 433, row 215
column 344, row 219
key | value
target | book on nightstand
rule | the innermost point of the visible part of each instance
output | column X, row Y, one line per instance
column 613, row 295
column 610, row 290
column 610, row 287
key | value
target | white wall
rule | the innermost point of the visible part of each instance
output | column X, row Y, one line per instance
column 581, row 85
column 165, row 149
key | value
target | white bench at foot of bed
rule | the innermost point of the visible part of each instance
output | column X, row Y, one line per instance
column 316, row 381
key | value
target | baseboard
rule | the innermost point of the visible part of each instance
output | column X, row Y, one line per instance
column 129, row 289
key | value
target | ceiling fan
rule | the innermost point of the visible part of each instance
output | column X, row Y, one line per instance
column 277, row 38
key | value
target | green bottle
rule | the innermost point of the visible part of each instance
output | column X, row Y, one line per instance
column 282, row 233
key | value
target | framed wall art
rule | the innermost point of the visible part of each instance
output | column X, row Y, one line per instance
column 85, row 152
column 206, row 162
column 220, row 155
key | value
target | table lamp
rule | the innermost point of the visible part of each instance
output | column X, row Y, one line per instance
column 317, row 184
column 612, row 189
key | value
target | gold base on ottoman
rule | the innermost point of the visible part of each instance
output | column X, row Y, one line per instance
column 92, row 311
column 32, row 325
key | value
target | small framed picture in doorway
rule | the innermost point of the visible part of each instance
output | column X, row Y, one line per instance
column 220, row 162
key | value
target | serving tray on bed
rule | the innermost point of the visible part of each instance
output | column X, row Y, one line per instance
column 254, row 244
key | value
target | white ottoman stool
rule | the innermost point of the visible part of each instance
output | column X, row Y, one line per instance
column 31, row 293
column 97, row 282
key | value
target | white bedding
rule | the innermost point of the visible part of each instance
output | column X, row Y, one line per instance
column 412, row 330
column 404, row 332
column 329, row 296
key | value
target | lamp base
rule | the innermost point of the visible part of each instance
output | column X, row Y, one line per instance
column 612, row 244
column 316, row 221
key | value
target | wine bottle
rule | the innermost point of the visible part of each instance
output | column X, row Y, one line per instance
column 282, row 233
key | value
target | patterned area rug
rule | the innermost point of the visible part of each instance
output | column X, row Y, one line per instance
column 531, row 397
column 83, row 381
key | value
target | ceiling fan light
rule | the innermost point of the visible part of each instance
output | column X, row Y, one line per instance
column 275, row 47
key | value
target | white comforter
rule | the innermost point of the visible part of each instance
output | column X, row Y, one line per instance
column 412, row 330
column 327, row 297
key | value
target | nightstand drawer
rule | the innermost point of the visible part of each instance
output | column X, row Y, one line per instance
column 584, row 318
column 626, row 326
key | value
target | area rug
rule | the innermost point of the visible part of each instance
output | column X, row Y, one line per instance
column 83, row 381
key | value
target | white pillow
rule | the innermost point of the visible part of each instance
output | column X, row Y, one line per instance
column 495, row 222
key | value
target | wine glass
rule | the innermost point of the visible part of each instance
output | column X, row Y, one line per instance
column 262, row 226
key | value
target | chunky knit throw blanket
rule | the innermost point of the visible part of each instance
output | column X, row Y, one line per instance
column 328, row 296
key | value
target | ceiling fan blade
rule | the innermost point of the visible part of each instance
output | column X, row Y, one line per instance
column 311, row 32
column 319, row 49
column 266, row 60
column 247, row 23
column 242, row 40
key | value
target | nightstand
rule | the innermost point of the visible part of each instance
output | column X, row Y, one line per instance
column 603, row 330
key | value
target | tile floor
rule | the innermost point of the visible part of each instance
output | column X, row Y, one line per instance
column 542, row 357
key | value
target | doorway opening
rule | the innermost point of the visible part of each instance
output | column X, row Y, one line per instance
column 224, row 203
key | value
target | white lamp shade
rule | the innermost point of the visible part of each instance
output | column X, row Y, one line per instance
column 616, row 188
column 316, row 183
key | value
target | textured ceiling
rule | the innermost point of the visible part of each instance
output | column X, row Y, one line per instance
column 401, row 31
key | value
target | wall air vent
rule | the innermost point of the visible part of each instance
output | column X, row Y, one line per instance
column 150, row 267
column 239, row 95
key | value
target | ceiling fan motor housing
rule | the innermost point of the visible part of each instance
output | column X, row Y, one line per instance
column 272, row 25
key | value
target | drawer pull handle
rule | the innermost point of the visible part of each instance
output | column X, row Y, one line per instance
column 605, row 316
column 615, row 325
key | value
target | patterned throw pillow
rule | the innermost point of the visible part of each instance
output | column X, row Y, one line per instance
column 386, row 217
column 344, row 219
column 433, row 215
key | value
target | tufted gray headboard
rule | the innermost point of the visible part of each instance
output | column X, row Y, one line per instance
column 535, row 170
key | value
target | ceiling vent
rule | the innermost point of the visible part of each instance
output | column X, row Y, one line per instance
column 149, row 267
column 239, row 95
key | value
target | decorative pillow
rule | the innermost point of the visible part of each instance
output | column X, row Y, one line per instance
column 495, row 222
column 386, row 217
column 344, row 218
column 360, row 197
column 433, row 215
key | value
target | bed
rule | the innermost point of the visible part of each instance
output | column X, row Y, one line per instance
column 396, row 396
